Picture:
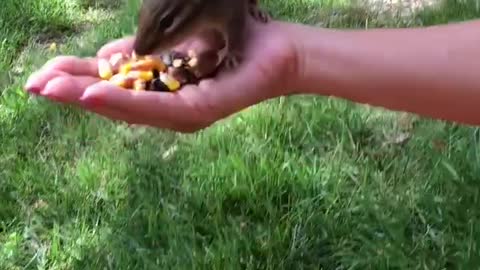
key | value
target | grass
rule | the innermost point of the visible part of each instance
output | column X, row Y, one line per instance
column 293, row 183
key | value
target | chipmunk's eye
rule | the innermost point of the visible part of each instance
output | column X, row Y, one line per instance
column 167, row 21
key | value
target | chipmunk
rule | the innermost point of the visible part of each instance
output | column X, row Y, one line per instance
column 166, row 23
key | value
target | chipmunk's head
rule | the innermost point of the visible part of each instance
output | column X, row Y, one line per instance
column 164, row 23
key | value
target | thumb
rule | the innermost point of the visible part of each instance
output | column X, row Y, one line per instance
column 123, row 45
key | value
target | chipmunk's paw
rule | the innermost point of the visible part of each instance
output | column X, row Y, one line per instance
column 232, row 60
column 259, row 14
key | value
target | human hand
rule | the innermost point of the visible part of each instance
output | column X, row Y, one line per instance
column 268, row 71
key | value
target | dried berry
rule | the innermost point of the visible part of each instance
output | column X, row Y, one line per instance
column 148, row 85
column 166, row 73
column 182, row 75
column 158, row 85
column 156, row 73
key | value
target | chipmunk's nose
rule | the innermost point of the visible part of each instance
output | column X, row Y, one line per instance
column 141, row 46
column 145, row 44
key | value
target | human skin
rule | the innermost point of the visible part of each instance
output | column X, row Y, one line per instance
column 420, row 70
column 431, row 71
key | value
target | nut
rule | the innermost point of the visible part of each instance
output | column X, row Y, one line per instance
column 177, row 63
column 193, row 62
column 140, row 85
column 165, row 73
column 170, row 82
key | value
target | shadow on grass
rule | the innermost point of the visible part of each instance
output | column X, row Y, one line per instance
column 240, row 196
column 353, row 14
column 104, row 4
column 450, row 11
column 252, row 195
column 176, row 217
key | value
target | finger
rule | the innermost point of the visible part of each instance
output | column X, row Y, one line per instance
column 73, row 65
column 68, row 89
column 168, row 110
column 123, row 45
column 189, row 107
column 37, row 81
column 60, row 66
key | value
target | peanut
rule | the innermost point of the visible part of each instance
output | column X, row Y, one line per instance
column 170, row 82
column 139, row 85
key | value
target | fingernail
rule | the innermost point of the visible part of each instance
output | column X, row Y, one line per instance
column 92, row 102
column 33, row 90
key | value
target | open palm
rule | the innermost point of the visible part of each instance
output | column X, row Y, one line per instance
column 270, row 62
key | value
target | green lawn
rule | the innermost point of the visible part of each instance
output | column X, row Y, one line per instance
column 293, row 183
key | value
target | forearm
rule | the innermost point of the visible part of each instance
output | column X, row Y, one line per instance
column 432, row 71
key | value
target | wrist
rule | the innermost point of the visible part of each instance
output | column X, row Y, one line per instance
column 286, row 58
column 314, row 61
column 378, row 67
column 343, row 63
column 320, row 59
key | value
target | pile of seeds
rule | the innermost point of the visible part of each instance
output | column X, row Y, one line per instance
column 164, row 73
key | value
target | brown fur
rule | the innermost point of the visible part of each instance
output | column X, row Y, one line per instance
column 166, row 23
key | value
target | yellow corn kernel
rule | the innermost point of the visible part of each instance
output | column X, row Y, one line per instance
column 116, row 57
column 149, row 64
column 144, row 75
column 104, row 69
column 121, row 81
column 125, row 68
column 116, row 60
column 53, row 47
column 170, row 82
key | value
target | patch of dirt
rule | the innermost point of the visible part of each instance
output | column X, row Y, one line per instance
column 49, row 41
column 362, row 13
column 104, row 4
column 399, row 8
column 57, row 36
